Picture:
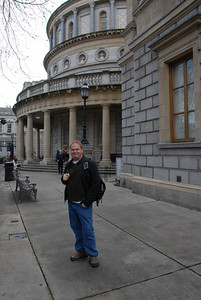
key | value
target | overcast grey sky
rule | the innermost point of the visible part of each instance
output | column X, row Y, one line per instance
column 34, row 50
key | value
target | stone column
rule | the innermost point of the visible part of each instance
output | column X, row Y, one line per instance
column 113, row 134
column 106, row 137
column 17, row 137
column 47, row 157
column 91, row 16
column 54, row 37
column 37, row 143
column 72, row 124
column 50, row 41
column 29, row 143
column 62, row 30
column 74, row 22
column 112, row 14
column 20, row 139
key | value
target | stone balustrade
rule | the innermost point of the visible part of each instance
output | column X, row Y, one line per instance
column 48, row 86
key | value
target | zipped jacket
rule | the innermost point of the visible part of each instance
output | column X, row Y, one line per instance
column 90, row 180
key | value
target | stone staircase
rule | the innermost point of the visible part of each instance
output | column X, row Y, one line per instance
column 35, row 166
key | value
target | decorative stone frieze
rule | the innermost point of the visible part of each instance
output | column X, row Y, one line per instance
column 82, row 58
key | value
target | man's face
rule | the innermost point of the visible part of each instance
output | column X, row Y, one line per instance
column 76, row 151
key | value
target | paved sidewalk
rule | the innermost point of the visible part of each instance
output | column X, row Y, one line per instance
column 148, row 250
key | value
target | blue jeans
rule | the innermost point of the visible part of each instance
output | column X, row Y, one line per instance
column 81, row 222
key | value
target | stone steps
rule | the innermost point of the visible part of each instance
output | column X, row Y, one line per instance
column 35, row 166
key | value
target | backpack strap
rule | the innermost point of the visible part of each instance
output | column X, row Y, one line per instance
column 102, row 187
column 67, row 166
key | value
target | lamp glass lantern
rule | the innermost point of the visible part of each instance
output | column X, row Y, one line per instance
column 3, row 121
column 85, row 91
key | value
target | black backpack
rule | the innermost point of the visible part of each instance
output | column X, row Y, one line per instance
column 101, row 192
column 102, row 187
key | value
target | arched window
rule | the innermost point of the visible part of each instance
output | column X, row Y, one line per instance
column 103, row 20
column 70, row 30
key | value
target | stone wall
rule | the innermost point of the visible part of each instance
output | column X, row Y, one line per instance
column 128, row 118
column 152, row 164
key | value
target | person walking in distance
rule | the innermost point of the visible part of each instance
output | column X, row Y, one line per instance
column 60, row 161
column 82, row 181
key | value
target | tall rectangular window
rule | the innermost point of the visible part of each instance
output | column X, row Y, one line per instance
column 9, row 128
column 182, row 100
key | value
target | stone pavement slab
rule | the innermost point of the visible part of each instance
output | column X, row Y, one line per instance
column 148, row 249
column 20, row 275
column 171, row 230
column 176, row 286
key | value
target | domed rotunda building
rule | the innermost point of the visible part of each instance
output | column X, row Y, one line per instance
column 85, row 39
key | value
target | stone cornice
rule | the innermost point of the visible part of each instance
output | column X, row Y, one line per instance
column 107, row 34
column 128, row 57
column 163, row 24
column 175, row 34
column 140, row 7
column 131, row 27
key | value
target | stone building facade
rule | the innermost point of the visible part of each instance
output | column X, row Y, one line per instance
column 85, row 41
column 161, row 107
column 7, row 133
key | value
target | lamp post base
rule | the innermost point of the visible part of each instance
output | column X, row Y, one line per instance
column 84, row 142
column 88, row 150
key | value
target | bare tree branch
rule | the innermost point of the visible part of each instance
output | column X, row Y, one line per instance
column 17, row 18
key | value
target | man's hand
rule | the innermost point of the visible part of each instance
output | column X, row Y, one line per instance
column 66, row 176
column 84, row 206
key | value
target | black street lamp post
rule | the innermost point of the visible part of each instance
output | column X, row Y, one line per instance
column 85, row 95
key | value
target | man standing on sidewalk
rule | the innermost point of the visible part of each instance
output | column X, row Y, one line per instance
column 82, row 181
column 60, row 161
